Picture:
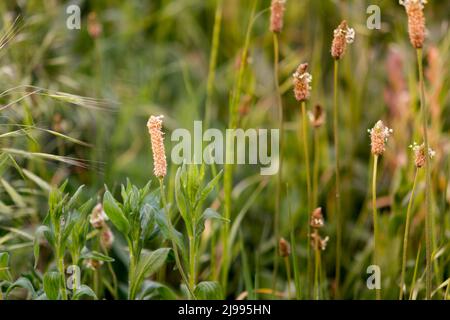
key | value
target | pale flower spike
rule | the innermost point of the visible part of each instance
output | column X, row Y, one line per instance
column 379, row 135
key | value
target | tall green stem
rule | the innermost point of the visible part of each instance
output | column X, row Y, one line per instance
column 192, row 264
column 228, row 167
column 337, row 176
column 213, row 62
column 276, row 224
column 317, row 265
column 289, row 278
column 405, row 238
column 308, row 185
column 63, row 278
column 375, row 218
column 316, row 168
column 424, row 111
column 306, row 154
column 172, row 238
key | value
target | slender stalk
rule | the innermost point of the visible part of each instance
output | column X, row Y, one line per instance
column 131, row 272
column 276, row 224
column 308, row 186
column 317, row 265
column 306, row 154
column 424, row 111
column 228, row 167
column 416, row 268
column 61, row 270
column 293, row 251
column 213, row 62
column 315, row 186
column 192, row 264
column 172, row 237
column 289, row 277
column 337, row 176
column 405, row 238
column 375, row 218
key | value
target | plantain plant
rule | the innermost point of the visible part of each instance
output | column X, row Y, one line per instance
column 191, row 192
column 135, row 217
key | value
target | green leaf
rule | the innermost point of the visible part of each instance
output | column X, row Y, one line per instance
column 115, row 214
column 15, row 196
column 148, row 265
column 52, row 284
column 156, row 291
column 179, row 197
column 168, row 231
column 24, row 283
column 40, row 232
column 84, row 291
column 147, row 217
column 94, row 255
column 4, row 266
column 208, row 214
column 75, row 197
column 208, row 188
column 208, row 290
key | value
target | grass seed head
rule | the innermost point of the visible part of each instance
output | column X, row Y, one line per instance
column 154, row 125
column 416, row 21
column 276, row 18
column 379, row 135
column 342, row 36
column 302, row 83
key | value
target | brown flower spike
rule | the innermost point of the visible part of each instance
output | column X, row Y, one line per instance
column 379, row 135
column 302, row 83
column 343, row 35
column 420, row 154
column 416, row 21
column 154, row 125
column 284, row 248
column 276, row 18
column 317, row 116
column 317, row 218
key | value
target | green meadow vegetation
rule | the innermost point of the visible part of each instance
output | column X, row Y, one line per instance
column 92, row 205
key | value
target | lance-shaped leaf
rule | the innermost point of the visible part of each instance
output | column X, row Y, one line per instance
column 115, row 214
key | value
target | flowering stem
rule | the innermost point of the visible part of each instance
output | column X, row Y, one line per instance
column 337, row 176
column 405, row 238
column 375, row 217
column 279, row 175
column 172, row 237
column 424, row 110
